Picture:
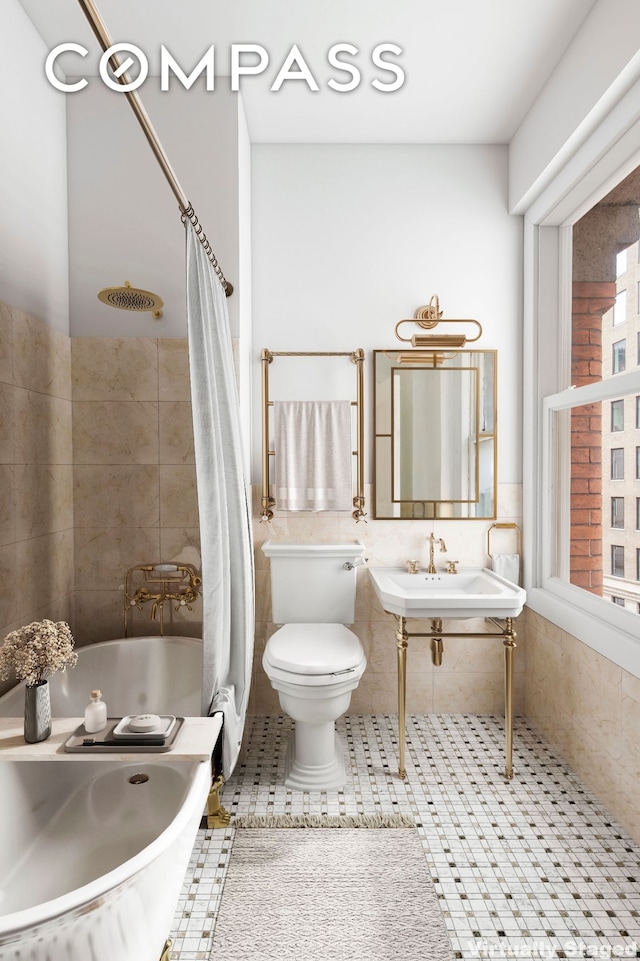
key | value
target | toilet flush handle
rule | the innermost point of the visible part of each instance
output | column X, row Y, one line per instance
column 357, row 562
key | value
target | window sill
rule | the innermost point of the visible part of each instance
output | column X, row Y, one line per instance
column 615, row 634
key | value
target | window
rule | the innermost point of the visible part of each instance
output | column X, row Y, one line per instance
column 617, row 512
column 585, row 460
column 638, row 563
column 618, row 600
column 620, row 308
column 621, row 262
column 617, row 463
column 619, row 357
column 617, row 415
column 617, row 560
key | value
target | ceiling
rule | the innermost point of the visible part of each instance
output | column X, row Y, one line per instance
column 472, row 70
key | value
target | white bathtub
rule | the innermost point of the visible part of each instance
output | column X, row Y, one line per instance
column 91, row 864
column 137, row 675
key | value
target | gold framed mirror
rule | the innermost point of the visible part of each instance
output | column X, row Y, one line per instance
column 435, row 434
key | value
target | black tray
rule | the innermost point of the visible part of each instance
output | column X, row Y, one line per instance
column 103, row 742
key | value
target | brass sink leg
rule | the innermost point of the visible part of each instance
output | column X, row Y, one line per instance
column 217, row 816
column 509, row 649
column 402, row 639
column 166, row 951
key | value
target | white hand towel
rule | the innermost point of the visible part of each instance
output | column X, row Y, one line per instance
column 313, row 459
column 507, row 566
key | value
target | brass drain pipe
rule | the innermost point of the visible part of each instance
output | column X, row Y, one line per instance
column 436, row 643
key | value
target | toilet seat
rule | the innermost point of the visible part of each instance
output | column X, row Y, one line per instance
column 315, row 652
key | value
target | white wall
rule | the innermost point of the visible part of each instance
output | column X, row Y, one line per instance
column 600, row 65
column 33, row 178
column 349, row 239
column 124, row 221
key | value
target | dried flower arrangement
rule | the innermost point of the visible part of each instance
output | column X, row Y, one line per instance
column 36, row 651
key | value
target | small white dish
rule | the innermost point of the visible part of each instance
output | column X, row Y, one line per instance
column 144, row 722
column 129, row 726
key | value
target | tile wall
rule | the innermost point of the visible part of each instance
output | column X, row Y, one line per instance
column 589, row 709
column 36, row 472
column 134, row 490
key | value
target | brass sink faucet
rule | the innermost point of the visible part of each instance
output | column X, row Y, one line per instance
column 433, row 540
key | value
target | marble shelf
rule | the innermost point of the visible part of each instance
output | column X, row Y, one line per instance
column 195, row 741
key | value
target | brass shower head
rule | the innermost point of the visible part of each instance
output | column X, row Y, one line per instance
column 132, row 298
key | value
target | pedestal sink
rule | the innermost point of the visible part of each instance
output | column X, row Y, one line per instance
column 471, row 592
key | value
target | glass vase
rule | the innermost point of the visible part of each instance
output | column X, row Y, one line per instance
column 37, row 712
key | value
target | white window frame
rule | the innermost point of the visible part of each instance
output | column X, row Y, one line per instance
column 596, row 163
column 613, row 632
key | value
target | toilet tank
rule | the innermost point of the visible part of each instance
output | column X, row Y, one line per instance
column 310, row 583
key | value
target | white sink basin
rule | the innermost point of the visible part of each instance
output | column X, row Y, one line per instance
column 472, row 592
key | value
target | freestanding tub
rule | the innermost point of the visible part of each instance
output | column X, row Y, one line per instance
column 137, row 675
column 92, row 863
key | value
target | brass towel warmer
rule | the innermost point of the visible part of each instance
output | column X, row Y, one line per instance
column 357, row 357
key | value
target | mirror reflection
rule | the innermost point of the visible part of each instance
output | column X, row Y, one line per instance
column 434, row 434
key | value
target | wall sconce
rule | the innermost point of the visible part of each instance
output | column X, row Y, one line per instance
column 428, row 317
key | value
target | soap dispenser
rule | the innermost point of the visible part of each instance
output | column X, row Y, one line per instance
column 95, row 713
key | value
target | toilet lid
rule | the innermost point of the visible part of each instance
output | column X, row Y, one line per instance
column 314, row 648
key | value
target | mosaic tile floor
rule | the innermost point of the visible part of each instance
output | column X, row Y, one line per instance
column 531, row 868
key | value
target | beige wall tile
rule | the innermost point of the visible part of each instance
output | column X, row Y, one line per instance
column 97, row 616
column 629, row 810
column 115, row 432
column 468, row 693
column 181, row 545
column 44, row 568
column 42, row 429
column 115, row 369
column 45, row 499
column 6, row 345
column 178, row 497
column 176, row 433
column 630, row 736
column 102, row 556
column 630, row 686
column 7, row 504
column 12, row 585
column 173, row 369
column 420, row 693
column 41, row 357
column 7, row 421
column 593, row 704
column 116, row 495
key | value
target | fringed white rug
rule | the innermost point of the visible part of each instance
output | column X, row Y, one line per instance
column 338, row 894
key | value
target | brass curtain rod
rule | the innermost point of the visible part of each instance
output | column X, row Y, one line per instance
column 188, row 213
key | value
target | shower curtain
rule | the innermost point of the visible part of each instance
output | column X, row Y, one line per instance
column 225, row 522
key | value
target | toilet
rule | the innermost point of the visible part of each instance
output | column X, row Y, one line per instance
column 314, row 661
